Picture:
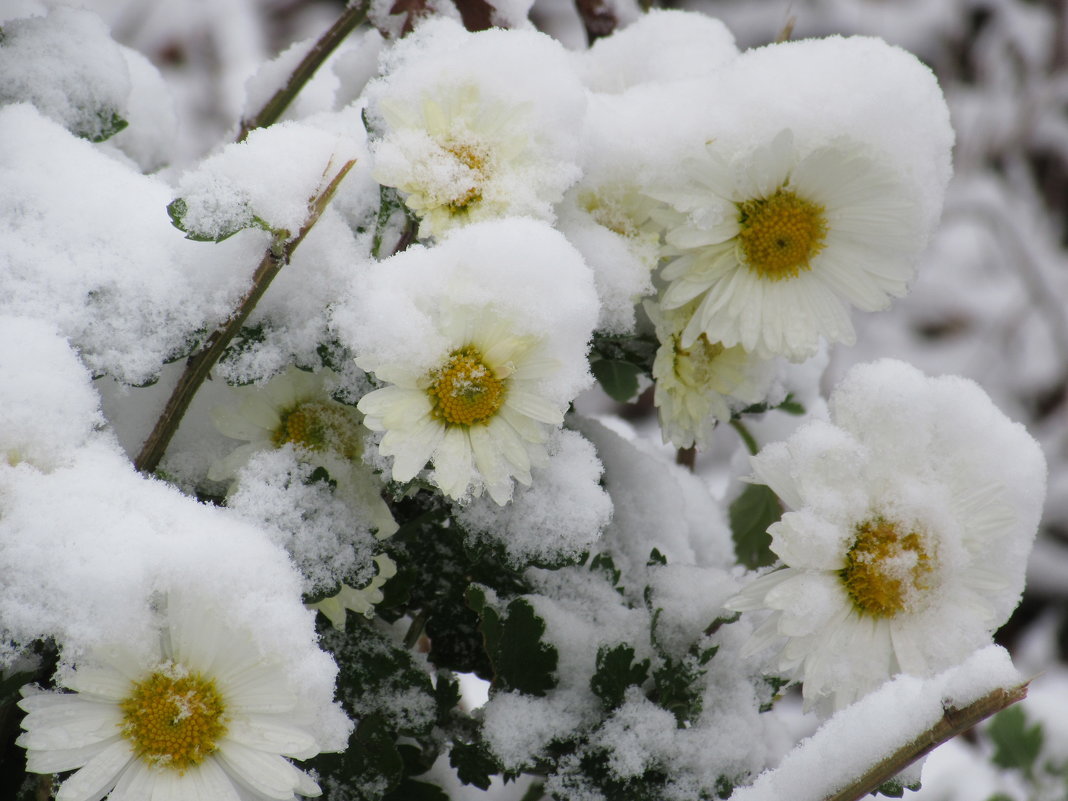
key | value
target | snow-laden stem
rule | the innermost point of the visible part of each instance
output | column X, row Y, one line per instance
column 350, row 19
column 199, row 364
column 952, row 723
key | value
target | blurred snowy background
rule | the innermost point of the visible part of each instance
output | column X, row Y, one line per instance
column 991, row 300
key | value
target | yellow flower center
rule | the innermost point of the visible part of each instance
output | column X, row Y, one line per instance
column 474, row 159
column 465, row 391
column 319, row 426
column 693, row 365
column 173, row 719
column 781, row 234
column 885, row 570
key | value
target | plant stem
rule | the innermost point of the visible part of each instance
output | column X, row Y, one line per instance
column 349, row 20
column 687, row 457
column 953, row 722
column 199, row 364
column 747, row 438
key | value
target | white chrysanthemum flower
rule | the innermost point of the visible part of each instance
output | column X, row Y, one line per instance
column 360, row 600
column 911, row 518
column 776, row 245
column 700, row 385
column 209, row 719
column 296, row 408
column 477, row 415
column 460, row 156
column 482, row 341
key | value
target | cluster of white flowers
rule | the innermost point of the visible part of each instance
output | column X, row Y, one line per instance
column 519, row 220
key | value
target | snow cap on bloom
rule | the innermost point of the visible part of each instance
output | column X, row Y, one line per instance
column 786, row 219
column 912, row 514
column 48, row 407
column 481, row 341
column 475, row 126
column 700, row 385
column 205, row 717
column 296, row 408
column 661, row 45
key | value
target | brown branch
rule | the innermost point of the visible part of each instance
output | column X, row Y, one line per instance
column 199, row 365
column 953, row 722
column 350, row 19
column 598, row 18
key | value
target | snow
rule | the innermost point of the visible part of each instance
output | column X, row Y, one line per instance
column 848, row 745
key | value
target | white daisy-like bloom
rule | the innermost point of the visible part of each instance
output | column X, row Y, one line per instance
column 776, row 245
column 481, row 344
column 700, row 385
column 911, row 516
column 459, row 156
column 296, row 408
column 209, row 718
column 476, row 415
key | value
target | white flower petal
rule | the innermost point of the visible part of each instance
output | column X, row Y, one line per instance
column 269, row 775
column 277, row 736
column 99, row 774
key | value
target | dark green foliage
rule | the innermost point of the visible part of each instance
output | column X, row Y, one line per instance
column 616, row 671
column 617, row 362
column 435, row 566
column 367, row 768
column 520, row 659
column 750, row 515
column 1016, row 744
column 895, row 788
column 372, row 670
column 474, row 764
column 107, row 123
column 619, row 379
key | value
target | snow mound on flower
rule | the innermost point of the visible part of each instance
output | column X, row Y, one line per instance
column 66, row 65
column 87, row 571
column 329, row 540
column 515, row 270
column 48, row 407
column 269, row 177
column 558, row 517
column 85, row 243
column 661, row 45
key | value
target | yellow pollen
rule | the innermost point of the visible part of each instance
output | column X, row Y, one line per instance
column 474, row 160
column 781, row 234
column 693, row 365
column 465, row 391
column 885, row 569
column 173, row 720
column 318, row 426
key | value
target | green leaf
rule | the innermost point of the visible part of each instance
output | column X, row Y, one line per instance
column 1016, row 745
column 523, row 662
column 371, row 761
column 108, row 123
column 895, row 788
column 178, row 208
column 411, row 790
column 618, row 378
column 750, row 515
column 616, row 671
column 474, row 764
column 677, row 688
column 604, row 564
column 372, row 670
column 656, row 558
